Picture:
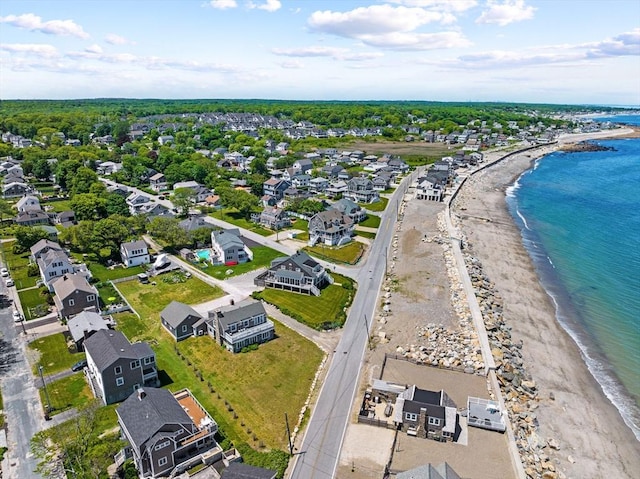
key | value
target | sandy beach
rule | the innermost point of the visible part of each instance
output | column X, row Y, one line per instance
column 594, row 441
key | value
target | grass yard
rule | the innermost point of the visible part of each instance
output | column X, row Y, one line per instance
column 300, row 224
column 66, row 393
column 33, row 303
column 103, row 273
column 58, row 206
column 371, row 221
column 349, row 253
column 260, row 385
column 377, row 206
column 319, row 312
column 235, row 218
column 18, row 264
column 366, row 234
column 148, row 300
column 54, row 354
column 262, row 257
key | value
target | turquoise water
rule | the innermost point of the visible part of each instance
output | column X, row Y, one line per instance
column 204, row 254
column 580, row 218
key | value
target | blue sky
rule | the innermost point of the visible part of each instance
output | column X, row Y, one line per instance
column 552, row 51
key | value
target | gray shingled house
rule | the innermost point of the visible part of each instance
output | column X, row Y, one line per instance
column 118, row 368
column 239, row 325
column 299, row 273
column 182, row 321
column 83, row 325
column 167, row 433
column 73, row 295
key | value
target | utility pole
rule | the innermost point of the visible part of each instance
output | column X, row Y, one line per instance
column 366, row 328
column 46, row 393
column 286, row 421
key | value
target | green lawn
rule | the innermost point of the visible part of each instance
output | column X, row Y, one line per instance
column 319, row 312
column 59, row 206
column 349, row 253
column 233, row 217
column 17, row 264
column 371, row 221
column 262, row 257
column 54, row 354
column 103, row 273
column 260, row 385
column 148, row 300
column 300, row 224
column 377, row 206
column 32, row 299
column 66, row 393
column 366, row 234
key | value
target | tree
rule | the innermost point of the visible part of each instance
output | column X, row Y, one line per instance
column 201, row 236
column 120, row 132
column 6, row 210
column 41, row 169
column 77, row 445
column 182, row 200
column 259, row 166
column 26, row 237
column 116, row 205
column 82, row 180
column 168, row 231
column 65, row 171
column 88, row 206
column 107, row 236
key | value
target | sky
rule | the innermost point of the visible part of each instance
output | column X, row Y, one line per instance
column 535, row 51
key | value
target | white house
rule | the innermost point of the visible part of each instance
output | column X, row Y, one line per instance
column 134, row 253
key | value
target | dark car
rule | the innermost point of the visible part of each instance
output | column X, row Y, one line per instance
column 79, row 365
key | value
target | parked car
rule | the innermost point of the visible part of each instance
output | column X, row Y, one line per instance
column 10, row 282
column 17, row 317
column 79, row 365
column 4, row 272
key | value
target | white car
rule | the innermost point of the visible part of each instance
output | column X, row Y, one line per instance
column 4, row 272
column 10, row 282
column 16, row 316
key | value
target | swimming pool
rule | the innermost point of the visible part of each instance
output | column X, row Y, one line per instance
column 204, row 254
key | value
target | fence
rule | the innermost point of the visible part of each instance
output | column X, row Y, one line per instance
column 420, row 363
column 376, row 422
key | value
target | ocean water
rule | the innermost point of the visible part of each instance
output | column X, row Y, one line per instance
column 579, row 214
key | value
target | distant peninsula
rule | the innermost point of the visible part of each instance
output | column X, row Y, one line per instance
column 585, row 146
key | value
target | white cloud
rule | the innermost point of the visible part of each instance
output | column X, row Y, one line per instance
column 93, row 49
column 223, row 4
column 114, row 39
column 445, row 5
column 34, row 23
column 38, row 49
column 341, row 54
column 268, row 5
column 386, row 26
column 505, row 13
column 625, row 44
column 292, row 65
column 375, row 19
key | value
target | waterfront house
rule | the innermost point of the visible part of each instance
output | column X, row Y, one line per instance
column 299, row 273
column 240, row 325
column 166, row 433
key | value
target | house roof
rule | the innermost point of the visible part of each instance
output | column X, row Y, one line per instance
column 429, row 471
column 240, row 470
column 226, row 239
column 86, row 321
column 156, row 177
column 30, row 215
column 175, row 313
column 70, row 283
column 50, row 256
column 145, row 413
column 130, row 246
column 193, row 223
column 234, row 313
column 42, row 244
column 27, row 199
column 107, row 346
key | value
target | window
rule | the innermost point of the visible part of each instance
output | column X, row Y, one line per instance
column 162, row 461
column 135, row 364
column 162, row 445
column 148, row 360
column 184, row 328
column 71, row 302
column 117, row 370
column 434, row 421
column 91, row 297
column 410, row 416
column 119, row 381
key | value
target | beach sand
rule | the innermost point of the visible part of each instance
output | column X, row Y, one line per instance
column 594, row 441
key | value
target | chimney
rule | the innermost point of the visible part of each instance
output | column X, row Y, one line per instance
column 141, row 394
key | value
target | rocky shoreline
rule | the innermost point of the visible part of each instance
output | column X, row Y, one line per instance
column 585, row 146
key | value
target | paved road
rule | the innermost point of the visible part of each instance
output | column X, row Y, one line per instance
column 22, row 408
column 320, row 451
